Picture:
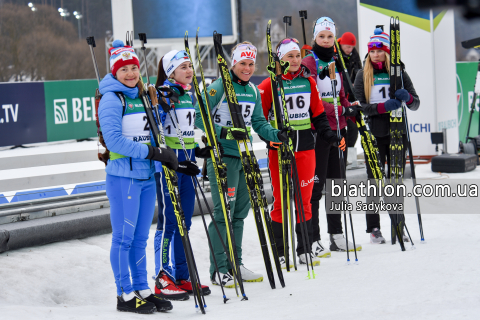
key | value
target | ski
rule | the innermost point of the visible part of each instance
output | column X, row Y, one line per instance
column 396, row 121
column 172, row 184
column 220, row 169
column 409, row 142
column 250, row 166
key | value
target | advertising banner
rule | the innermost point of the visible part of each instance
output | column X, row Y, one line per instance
column 70, row 109
column 466, row 73
column 22, row 113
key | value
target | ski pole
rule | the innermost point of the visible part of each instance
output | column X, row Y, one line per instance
column 303, row 16
column 288, row 22
column 91, row 44
column 343, row 172
column 129, row 38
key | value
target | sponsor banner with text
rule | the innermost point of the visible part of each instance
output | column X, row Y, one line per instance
column 22, row 113
column 70, row 109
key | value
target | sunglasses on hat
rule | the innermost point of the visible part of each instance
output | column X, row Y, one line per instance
column 322, row 19
column 180, row 55
column 378, row 45
column 246, row 47
column 288, row 40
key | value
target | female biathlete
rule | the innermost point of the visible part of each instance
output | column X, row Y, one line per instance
column 243, row 66
column 304, row 109
column 130, row 184
column 372, row 87
column 173, row 282
column 328, row 164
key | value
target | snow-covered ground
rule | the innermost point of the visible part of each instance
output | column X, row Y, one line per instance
column 438, row 280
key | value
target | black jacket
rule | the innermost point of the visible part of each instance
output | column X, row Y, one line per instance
column 380, row 123
column 353, row 64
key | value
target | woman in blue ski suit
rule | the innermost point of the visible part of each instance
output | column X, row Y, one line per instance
column 173, row 281
column 129, row 180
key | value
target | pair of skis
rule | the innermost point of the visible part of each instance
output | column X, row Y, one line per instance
column 399, row 125
column 153, row 119
column 251, row 169
column 287, row 166
column 220, row 169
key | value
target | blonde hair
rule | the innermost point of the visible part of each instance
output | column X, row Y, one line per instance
column 235, row 47
column 368, row 74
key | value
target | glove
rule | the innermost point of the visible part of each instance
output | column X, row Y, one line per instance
column 340, row 143
column 203, row 153
column 188, row 168
column 392, row 104
column 402, row 95
column 324, row 73
column 165, row 155
column 286, row 133
column 350, row 111
column 233, row 134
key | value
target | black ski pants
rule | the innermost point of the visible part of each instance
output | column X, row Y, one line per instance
column 327, row 167
column 383, row 143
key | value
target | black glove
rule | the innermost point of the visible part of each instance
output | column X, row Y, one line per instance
column 350, row 111
column 203, row 153
column 324, row 73
column 188, row 168
column 233, row 134
column 165, row 155
column 285, row 133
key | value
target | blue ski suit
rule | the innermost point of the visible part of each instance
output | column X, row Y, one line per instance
column 168, row 234
column 130, row 183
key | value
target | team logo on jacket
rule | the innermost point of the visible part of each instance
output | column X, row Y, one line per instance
column 231, row 194
column 212, row 92
column 130, row 106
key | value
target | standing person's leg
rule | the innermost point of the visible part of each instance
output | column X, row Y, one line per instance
column 322, row 150
column 240, row 209
column 165, row 281
column 129, row 241
column 187, row 198
column 372, row 218
column 334, row 171
column 218, row 213
column 160, row 222
column 306, row 172
column 276, row 213
column 337, row 170
column 124, row 197
column 137, row 256
column 179, row 261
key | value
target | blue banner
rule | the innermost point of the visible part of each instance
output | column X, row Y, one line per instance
column 22, row 113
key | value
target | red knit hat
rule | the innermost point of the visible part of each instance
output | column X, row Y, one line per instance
column 348, row 39
column 121, row 55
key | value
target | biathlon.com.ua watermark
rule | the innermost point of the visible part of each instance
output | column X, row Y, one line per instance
column 430, row 195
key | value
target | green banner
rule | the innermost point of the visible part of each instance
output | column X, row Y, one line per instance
column 70, row 109
column 466, row 74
